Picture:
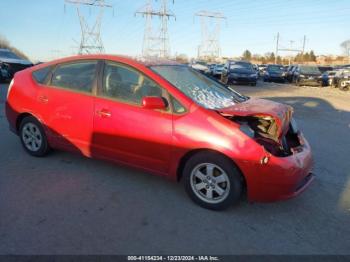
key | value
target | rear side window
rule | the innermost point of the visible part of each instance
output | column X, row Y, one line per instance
column 77, row 76
column 41, row 74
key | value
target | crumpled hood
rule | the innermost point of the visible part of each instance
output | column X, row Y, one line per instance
column 281, row 113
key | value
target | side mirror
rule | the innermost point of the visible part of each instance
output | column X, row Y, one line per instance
column 154, row 102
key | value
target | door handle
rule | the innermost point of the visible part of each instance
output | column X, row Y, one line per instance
column 104, row 113
column 43, row 99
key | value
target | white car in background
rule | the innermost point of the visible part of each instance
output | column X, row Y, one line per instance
column 217, row 71
column 201, row 67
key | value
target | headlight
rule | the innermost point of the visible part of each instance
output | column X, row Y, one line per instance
column 253, row 75
column 267, row 74
column 9, row 89
column 283, row 74
column 302, row 76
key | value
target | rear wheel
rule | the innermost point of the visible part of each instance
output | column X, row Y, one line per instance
column 33, row 137
column 212, row 181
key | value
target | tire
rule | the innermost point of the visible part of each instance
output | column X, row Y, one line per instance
column 203, row 186
column 33, row 137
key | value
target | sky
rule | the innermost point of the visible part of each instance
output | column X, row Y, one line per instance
column 46, row 29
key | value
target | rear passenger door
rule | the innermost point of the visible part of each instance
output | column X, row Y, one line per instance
column 67, row 103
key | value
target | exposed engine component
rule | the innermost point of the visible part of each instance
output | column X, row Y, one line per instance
column 264, row 130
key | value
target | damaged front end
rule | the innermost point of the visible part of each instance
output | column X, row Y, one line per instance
column 264, row 130
column 272, row 126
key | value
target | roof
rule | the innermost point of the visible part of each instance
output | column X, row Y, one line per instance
column 144, row 61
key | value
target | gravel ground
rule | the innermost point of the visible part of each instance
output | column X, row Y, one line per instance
column 67, row 204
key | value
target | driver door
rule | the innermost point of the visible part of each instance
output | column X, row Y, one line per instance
column 124, row 131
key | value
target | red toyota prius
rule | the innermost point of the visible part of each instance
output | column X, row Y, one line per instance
column 164, row 118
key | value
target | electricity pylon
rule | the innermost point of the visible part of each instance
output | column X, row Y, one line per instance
column 91, row 41
column 211, row 27
column 156, row 44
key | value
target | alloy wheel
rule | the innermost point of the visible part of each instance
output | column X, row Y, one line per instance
column 32, row 137
column 210, row 183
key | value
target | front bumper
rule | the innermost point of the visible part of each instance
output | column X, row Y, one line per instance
column 275, row 78
column 311, row 81
column 282, row 177
column 241, row 79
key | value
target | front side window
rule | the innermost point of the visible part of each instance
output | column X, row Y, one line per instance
column 126, row 84
column 177, row 106
column 201, row 89
column 78, row 76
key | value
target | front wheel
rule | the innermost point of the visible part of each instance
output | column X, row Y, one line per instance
column 33, row 137
column 212, row 181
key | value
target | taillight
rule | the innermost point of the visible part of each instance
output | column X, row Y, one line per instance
column 9, row 89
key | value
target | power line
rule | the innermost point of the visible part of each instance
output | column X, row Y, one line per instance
column 91, row 41
column 211, row 27
column 290, row 49
column 156, row 44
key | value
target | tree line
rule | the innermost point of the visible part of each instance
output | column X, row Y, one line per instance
column 271, row 58
column 5, row 44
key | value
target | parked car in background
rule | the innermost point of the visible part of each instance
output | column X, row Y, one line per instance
column 13, row 62
column 341, row 79
column 328, row 77
column 275, row 73
column 307, row 75
column 218, row 142
column 211, row 68
column 239, row 72
column 201, row 67
column 261, row 69
column 290, row 73
column 325, row 74
column 217, row 70
column 4, row 73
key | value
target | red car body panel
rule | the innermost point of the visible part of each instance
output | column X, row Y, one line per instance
column 158, row 141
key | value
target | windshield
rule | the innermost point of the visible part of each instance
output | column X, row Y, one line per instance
column 201, row 89
column 275, row 69
column 324, row 69
column 309, row 70
column 8, row 54
column 240, row 65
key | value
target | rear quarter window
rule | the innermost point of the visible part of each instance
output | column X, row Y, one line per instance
column 40, row 75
